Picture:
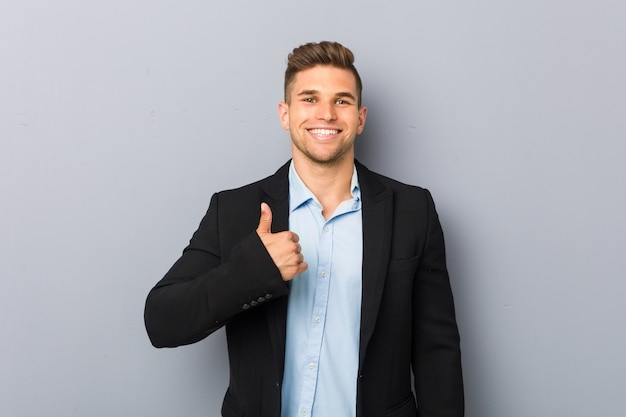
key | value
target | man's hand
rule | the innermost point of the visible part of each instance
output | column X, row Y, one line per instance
column 283, row 247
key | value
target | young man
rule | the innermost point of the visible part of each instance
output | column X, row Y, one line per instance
column 330, row 279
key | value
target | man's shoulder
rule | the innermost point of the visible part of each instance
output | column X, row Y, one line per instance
column 368, row 176
column 273, row 182
column 406, row 197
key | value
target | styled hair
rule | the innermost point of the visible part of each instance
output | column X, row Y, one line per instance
column 312, row 54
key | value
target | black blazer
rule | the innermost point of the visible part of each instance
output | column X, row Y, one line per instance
column 225, row 277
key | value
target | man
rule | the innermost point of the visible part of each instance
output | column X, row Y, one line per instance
column 330, row 279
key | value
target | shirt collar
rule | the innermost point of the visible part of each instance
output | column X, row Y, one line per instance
column 300, row 195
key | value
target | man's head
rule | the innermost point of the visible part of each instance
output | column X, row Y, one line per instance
column 322, row 109
column 324, row 53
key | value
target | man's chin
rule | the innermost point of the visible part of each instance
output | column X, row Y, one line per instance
column 327, row 159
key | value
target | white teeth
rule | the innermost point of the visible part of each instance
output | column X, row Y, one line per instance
column 324, row 132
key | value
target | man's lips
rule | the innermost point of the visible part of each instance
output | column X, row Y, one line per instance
column 323, row 132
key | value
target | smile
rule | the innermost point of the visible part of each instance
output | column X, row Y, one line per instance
column 323, row 132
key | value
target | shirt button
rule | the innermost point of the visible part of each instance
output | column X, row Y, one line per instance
column 326, row 229
column 318, row 319
column 311, row 365
column 304, row 412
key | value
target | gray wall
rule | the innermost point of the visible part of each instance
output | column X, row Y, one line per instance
column 119, row 119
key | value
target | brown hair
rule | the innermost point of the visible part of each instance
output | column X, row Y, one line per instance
column 312, row 54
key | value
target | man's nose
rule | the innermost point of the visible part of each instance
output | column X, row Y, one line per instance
column 326, row 111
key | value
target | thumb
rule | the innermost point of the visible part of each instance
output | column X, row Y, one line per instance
column 265, row 222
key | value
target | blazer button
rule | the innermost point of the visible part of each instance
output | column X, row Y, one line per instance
column 253, row 303
column 268, row 296
column 245, row 306
column 260, row 299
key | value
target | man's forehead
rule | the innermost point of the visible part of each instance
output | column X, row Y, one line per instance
column 323, row 78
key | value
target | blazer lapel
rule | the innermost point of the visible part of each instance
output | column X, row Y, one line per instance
column 377, row 222
column 275, row 192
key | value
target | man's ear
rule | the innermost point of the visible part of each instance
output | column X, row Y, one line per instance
column 283, row 114
column 362, row 117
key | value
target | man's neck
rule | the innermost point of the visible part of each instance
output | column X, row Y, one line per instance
column 330, row 184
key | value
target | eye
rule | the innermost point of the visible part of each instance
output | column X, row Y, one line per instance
column 341, row 101
column 309, row 100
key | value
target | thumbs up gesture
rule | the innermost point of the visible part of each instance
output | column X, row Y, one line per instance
column 283, row 247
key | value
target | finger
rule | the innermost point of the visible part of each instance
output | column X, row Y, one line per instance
column 265, row 222
column 299, row 268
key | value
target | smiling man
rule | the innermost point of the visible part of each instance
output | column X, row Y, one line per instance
column 330, row 279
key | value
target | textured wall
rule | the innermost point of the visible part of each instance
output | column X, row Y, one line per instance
column 119, row 119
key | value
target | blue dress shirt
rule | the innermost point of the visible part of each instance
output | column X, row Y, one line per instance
column 324, row 313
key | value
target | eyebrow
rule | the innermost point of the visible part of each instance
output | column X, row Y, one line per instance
column 314, row 92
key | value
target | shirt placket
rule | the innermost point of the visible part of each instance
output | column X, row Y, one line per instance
column 318, row 319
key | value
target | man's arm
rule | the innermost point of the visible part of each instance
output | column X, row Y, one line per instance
column 211, row 284
column 436, row 351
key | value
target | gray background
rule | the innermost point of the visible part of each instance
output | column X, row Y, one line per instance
column 119, row 119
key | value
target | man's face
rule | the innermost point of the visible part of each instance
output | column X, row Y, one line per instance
column 322, row 115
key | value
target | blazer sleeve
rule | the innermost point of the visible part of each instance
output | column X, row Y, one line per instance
column 221, row 273
column 436, row 344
